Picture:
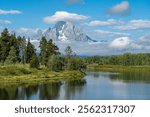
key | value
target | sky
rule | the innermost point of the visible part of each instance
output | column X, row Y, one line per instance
column 119, row 25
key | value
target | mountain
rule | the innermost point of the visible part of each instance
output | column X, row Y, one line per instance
column 66, row 31
column 62, row 31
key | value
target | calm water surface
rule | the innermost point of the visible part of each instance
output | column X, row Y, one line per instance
column 94, row 86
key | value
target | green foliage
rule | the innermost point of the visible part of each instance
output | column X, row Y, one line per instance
column 4, row 45
column 43, row 52
column 52, row 48
column 126, row 59
column 34, row 63
column 30, row 51
column 12, row 57
column 6, row 42
column 13, row 70
column 55, row 63
column 47, row 50
column 76, row 63
column 15, row 43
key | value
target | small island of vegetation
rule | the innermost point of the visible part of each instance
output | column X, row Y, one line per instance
column 21, row 64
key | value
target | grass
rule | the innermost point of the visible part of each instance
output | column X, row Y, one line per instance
column 119, row 68
column 22, row 75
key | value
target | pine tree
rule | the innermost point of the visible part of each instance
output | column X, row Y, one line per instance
column 4, row 45
column 52, row 48
column 47, row 50
column 43, row 52
column 12, row 57
column 30, row 51
column 15, row 43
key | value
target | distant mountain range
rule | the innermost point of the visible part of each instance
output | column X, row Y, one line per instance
column 62, row 31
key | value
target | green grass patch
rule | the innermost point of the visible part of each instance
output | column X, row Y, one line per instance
column 119, row 68
column 22, row 75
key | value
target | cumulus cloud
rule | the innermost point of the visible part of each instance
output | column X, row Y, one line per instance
column 5, row 22
column 111, row 34
column 134, row 24
column 145, row 38
column 122, row 8
column 124, row 43
column 104, row 23
column 74, row 1
column 145, row 41
column 63, row 16
column 5, row 12
column 120, row 43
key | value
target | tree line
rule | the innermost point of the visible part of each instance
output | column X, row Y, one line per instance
column 126, row 59
column 16, row 49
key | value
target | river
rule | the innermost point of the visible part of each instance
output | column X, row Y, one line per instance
column 94, row 86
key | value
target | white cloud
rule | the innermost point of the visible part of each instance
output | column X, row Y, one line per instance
column 145, row 41
column 5, row 12
column 5, row 22
column 111, row 34
column 122, row 8
column 134, row 24
column 64, row 16
column 104, row 23
column 27, row 30
column 120, row 43
column 124, row 43
column 145, row 38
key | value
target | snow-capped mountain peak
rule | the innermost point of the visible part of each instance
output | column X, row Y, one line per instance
column 66, row 31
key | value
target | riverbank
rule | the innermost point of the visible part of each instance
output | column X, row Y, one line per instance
column 119, row 68
column 23, row 74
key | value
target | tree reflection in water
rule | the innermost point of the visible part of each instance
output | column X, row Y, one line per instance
column 73, row 88
column 47, row 91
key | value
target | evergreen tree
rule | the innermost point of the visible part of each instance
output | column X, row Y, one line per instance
column 12, row 57
column 15, row 43
column 30, row 51
column 4, row 45
column 43, row 52
column 52, row 48
column 47, row 50
column 34, row 63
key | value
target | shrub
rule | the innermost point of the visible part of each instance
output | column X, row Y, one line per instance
column 34, row 63
column 55, row 63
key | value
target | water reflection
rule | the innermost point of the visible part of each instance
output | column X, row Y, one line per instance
column 48, row 91
column 8, row 93
column 131, row 77
column 73, row 89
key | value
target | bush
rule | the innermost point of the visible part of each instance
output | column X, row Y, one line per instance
column 34, row 63
column 76, row 63
column 55, row 63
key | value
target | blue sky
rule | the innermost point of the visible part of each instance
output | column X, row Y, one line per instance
column 33, row 11
column 124, row 24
